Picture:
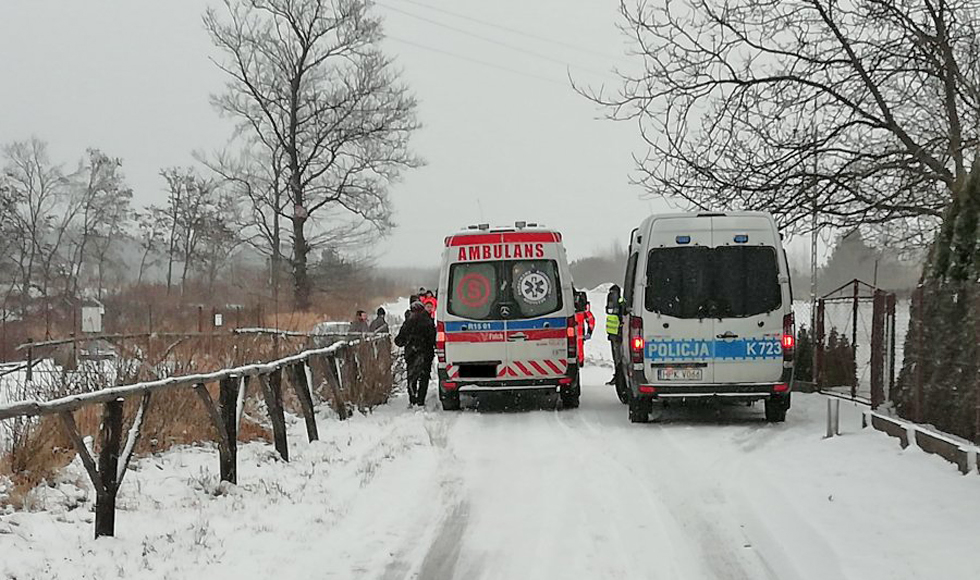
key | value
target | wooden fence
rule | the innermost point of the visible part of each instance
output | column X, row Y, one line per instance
column 225, row 414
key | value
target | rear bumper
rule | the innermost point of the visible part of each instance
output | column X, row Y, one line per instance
column 476, row 386
column 731, row 390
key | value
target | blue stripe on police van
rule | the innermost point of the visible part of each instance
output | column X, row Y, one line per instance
column 706, row 350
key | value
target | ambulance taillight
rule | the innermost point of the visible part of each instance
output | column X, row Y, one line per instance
column 572, row 340
column 441, row 341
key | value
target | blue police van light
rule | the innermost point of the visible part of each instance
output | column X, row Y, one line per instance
column 741, row 238
column 683, row 239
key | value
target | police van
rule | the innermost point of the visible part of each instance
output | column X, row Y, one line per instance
column 506, row 316
column 709, row 312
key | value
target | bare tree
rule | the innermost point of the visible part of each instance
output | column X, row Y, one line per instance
column 864, row 111
column 192, row 202
column 308, row 79
column 218, row 239
column 98, row 210
column 37, row 190
column 255, row 177
column 151, row 234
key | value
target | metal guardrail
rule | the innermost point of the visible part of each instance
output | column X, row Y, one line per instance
column 964, row 455
column 225, row 414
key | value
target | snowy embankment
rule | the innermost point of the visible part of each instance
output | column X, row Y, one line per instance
column 531, row 494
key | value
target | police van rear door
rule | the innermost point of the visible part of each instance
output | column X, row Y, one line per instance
column 747, row 300
column 677, row 329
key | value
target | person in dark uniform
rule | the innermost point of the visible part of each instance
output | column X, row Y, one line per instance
column 614, row 332
column 418, row 337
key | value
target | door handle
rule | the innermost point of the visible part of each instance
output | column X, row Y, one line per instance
column 728, row 334
column 515, row 337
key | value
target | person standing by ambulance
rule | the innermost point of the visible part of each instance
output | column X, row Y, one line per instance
column 429, row 301
column 584, row 323
column 418, row 337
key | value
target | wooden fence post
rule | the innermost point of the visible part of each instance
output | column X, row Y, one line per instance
column 976, row 380
column 29, row 377
column 272, row 389
column 228, row 403
column 854, row 336
column 223, row 416
column 108, row 476
column 818, row 343
column 878, row 349
column 297, row 378
column 892, row 319
column 105, row 498
column 918, row 302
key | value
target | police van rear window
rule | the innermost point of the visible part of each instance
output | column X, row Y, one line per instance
column 724, row 282
column 522, row 288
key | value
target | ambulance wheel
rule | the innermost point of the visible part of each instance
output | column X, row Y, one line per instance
column 570, row 400
column 776, row 407
column 639, row 410
column 450, row 401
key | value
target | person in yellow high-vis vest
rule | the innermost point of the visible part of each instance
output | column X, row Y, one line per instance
column 614, row 332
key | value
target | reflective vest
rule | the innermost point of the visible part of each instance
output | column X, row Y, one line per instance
column 613, row 323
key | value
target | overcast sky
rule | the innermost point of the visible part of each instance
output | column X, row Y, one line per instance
column 505, row 137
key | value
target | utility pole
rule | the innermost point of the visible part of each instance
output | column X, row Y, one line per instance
column 813, row 252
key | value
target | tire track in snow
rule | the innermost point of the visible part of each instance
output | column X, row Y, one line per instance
column 685, row 501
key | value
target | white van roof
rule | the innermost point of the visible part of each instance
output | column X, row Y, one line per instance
column 520, row 226
column 708, row 214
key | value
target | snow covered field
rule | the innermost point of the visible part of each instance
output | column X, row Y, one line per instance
column 526, row 493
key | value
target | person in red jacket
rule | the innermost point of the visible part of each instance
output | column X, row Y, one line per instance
column 429, row 301
column 584, row 322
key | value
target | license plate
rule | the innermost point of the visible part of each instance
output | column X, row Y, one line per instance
column 680, row 374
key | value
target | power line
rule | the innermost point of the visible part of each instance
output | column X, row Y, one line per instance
column 477, row 61
column 495, row 41
column 512, row 30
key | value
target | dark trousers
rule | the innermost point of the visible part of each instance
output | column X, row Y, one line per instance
column 616, row 342
column 419, row 370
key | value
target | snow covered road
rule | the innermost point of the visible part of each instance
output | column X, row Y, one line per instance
column 527, row 493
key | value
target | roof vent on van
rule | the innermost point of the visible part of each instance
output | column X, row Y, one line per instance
column 483, row 227
column 532, row 225
column 473, row 227
column 712, row 214
column 520, row 225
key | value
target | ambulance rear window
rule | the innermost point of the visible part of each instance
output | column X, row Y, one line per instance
column 535, row 286
column 523, row 288
column 473, row 289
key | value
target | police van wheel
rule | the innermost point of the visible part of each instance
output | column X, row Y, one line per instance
column 776, row 409
column 622, row 390
column 639, row 410
column 450, row 402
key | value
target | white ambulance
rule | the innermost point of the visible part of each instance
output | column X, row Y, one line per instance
column 709, row 312
column 505, row 320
